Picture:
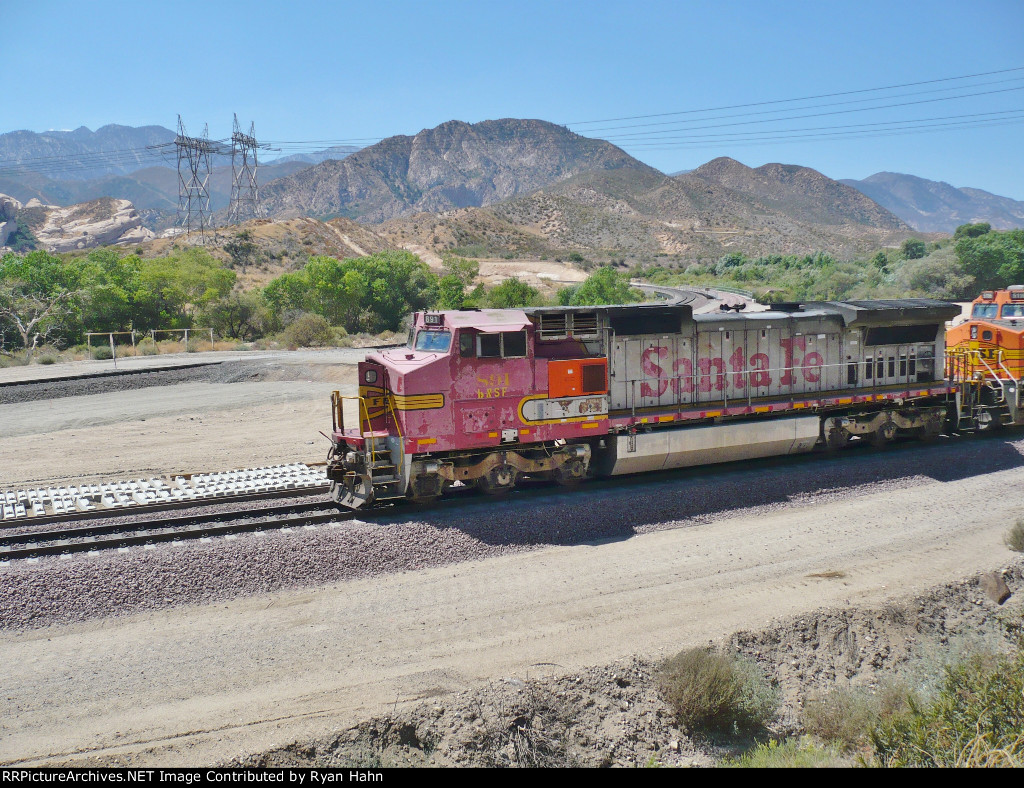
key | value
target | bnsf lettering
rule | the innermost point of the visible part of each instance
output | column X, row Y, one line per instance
column 496, row 386
column 716, row 373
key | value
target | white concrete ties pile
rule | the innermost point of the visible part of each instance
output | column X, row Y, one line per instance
column 25, row 504
column 278, row 478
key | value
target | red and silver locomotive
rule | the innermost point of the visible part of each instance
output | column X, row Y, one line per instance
column 487, row 397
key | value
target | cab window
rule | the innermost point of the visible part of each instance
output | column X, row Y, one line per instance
column 467, row 345
column 507, row 344
column 434, row 341
column 1013, row 310
column 985, row 310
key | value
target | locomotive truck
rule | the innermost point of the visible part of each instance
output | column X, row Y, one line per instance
column 489, row 397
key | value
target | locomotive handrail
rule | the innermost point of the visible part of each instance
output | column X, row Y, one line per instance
column 389, row 405
column 337, row 400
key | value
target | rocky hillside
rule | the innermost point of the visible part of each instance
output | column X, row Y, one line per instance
column 935, row 206
column 81, row 154
column 101, row 222
column 281, row 245
column 640, row 214
column 454, row 165
column 799, row 192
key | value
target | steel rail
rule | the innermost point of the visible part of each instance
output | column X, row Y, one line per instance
column 175, row 529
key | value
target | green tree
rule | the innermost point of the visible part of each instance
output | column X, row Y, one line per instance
column 337, row 290
column 913, row 249
column 184, row 283
column 994, row 259
column 243, row 316
column 511, row 294
column 465, row 270
column 287, row 293
column 451, row 293
column 399, row 283
column 880, row 260
column 604, row 286
column 972, row 230
column 242, row 250
column 114, row 295
column 39, row 300
column 372, row 293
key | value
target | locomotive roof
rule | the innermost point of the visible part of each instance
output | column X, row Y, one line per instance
column 867, row 312
column 683, row 310
column 897, row 310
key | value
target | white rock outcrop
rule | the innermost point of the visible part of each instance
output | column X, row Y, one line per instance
column 100, row 222
column 9, row 208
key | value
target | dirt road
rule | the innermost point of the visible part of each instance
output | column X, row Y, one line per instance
column 196, row 685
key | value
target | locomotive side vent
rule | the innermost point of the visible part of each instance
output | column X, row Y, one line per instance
column 553, row 325
column 584, row 324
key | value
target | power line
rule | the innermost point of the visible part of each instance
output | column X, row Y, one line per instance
column 725, row 136
column 792, row 100
column 759, row 141
column 675, row 125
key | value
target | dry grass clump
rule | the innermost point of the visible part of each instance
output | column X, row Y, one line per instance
column 1015, row 537
column 709, row 691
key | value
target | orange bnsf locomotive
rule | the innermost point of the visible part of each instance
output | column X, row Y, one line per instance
column 985, row 357
column 489, row 397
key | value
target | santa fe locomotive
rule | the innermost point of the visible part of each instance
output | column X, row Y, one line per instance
column 489, row 397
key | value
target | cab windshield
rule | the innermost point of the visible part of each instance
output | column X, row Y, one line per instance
column 1013, row 310
column 434, row 341
column 985, row 310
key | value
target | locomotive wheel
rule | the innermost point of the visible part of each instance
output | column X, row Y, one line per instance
column 836, row 438
column 426, row 489
column 499, row 480
column 571, row 473
column 883, row 435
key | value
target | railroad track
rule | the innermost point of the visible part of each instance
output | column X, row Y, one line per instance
column 92, row 537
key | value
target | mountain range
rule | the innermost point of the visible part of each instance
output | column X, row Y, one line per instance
column 640, row 213
column 935, row 206
column 514, row 187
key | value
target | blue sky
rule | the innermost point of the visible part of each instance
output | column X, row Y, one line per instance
column 361, row 71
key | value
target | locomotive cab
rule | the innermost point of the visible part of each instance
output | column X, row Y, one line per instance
column 457, row 404
column 986, row 359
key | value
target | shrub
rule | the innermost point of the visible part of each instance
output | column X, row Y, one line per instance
column 977, row 718
column 46, row 360
column 790, row 754
column 1015, row 537
column 147, row 347
column 716, row 692
column 308, row 330
column 846, row 716
column 102, row 353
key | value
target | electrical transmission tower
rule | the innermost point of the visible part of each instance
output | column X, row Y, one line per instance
column 245, row 192
column 193, row 179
